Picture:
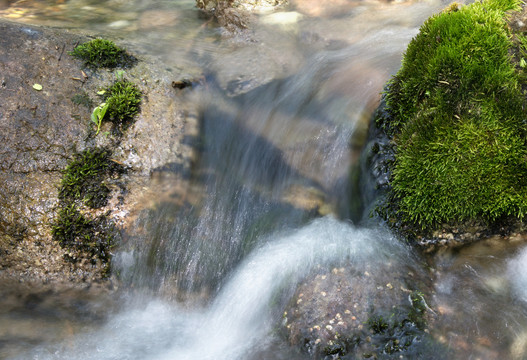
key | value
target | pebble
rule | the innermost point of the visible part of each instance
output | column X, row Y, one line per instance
column 323, row 293
column 119, row 24
column 329, row 327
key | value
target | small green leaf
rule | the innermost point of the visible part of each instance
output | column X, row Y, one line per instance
column 98, row 114
column 101, row 92
column 37, row 87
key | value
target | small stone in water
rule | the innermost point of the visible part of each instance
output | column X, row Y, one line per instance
column 119, row 24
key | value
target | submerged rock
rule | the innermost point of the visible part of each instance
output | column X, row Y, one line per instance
column 361, row 311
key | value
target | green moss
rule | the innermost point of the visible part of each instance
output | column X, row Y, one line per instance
column 101, row 53
column 123, row 99
column 73, row 230
column 85, row 178
column 84, row 185
column 456, row 119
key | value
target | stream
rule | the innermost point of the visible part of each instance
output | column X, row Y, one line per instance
column 284, row 117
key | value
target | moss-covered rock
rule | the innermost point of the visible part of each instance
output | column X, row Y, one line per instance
column 456, row 119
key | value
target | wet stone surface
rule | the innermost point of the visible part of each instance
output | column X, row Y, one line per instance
column 331, row 311
column 47, row 100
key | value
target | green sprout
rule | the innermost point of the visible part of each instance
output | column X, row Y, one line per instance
column 98, row 114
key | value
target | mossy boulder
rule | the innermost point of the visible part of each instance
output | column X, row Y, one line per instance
column 455, row 115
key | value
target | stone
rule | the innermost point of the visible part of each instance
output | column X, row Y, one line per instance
column 41, row 130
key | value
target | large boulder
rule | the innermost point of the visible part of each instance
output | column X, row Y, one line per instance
column 47, row 100
column 454, row 116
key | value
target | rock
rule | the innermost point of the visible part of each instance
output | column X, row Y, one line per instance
column 157, row 18
column 236, row 15
column 41, row 130
column 332, row 311
column 323, row 9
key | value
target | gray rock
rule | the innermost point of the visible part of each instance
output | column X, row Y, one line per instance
column 40, row 130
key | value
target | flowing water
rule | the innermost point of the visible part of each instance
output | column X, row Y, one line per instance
column 284, row 116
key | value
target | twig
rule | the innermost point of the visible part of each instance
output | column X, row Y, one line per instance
column 62, row 51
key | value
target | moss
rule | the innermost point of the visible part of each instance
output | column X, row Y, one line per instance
column 73, row 230
column 457, row 121
column 101, row 53
column 123, row 99
column 85, row 178
column 84, row 186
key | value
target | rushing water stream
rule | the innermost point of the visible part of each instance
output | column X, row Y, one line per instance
column 284, row 116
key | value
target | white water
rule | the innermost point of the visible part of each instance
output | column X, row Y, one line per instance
column 245, row 312
column 517, row 274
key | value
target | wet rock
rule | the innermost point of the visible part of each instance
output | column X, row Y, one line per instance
column 40, row 130
column 157, row 18
column 339, row 311
column 323, row 9
column 236, row 15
